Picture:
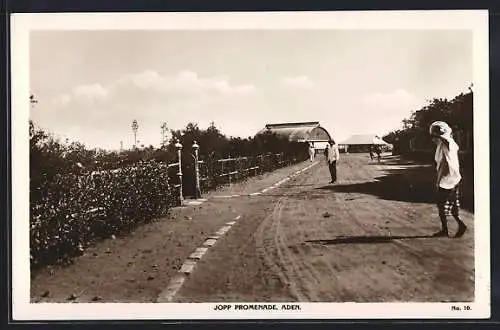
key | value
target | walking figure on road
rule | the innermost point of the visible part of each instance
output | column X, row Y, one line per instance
column 332, row 155
column 448, row 177
column 312, row 151
column 378, row 151
column 370, row 150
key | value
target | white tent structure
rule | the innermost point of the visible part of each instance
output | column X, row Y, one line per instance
column 362, row 143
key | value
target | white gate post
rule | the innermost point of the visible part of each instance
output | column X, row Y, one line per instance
column 196, row 148
column 178, row 145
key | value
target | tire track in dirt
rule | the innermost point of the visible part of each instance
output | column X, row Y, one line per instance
column 311, row 276
column 286, row 260
column 364, row 205
column 301, row 274
column 263, row 242
column 300, row 250
column 366, row 215
column 339, row 204
column 309, row 273
column 304, row 251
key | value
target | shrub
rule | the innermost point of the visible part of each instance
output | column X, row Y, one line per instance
column 74, row 210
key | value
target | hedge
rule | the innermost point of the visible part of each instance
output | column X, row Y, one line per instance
column 74, row 210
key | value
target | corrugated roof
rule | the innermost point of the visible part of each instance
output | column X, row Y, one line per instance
column 298, row 131
column 293, row 125
column 364, row 139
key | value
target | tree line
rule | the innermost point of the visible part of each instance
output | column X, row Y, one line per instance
column 50, row 155
column 414, row 136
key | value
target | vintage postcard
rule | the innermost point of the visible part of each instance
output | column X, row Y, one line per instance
column 265, row 165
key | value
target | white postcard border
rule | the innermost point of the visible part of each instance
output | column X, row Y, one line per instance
column 22, row 24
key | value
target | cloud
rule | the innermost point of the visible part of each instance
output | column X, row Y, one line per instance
column 149, row 83
column 90, row 91
column 186, row 82
column 145, row 90
column 190, row 81
column 148, row 79
column 300, row 82
column 106, row 109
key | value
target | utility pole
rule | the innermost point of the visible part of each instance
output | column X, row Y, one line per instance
column 135, row 127
column 164, row 130
column 33, row 100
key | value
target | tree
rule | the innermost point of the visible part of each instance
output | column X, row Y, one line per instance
column 458, row 113
column 164, row 131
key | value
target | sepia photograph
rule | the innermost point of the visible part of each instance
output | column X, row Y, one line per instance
column 296, row 165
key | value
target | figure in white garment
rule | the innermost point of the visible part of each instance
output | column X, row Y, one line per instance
column 448, row 177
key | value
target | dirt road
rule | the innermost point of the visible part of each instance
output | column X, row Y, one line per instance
column 366, row 238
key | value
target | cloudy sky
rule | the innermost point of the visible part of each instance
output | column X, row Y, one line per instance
column 91, row 85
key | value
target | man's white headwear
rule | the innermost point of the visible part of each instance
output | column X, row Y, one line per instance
column 441, row 129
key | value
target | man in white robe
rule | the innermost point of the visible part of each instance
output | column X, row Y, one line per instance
column 448, row 177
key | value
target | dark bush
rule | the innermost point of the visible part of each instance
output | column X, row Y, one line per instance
column 74, row 210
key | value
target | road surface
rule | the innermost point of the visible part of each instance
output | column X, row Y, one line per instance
column 366, row 238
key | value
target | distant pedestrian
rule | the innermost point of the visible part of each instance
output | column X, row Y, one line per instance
column 370, row 150
column 312, row 151
column 332, row 156
column 448, row 177
column 378, row 151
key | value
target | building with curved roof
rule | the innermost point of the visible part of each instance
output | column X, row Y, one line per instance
column 299, row 132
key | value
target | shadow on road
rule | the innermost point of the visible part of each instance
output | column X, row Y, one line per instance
column 393, row 160
column 408, row 184
column 396, row 184
column 365, row 239
column 301, row 185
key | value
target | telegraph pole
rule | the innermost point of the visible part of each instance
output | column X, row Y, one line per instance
column 135, row 127
column 33, row 100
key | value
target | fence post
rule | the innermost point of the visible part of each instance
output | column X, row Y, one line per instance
column 178, row 145
column 196, row 147
column 230, row 170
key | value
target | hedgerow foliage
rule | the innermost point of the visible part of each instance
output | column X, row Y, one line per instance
column 266, row 151
column 79, row 195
